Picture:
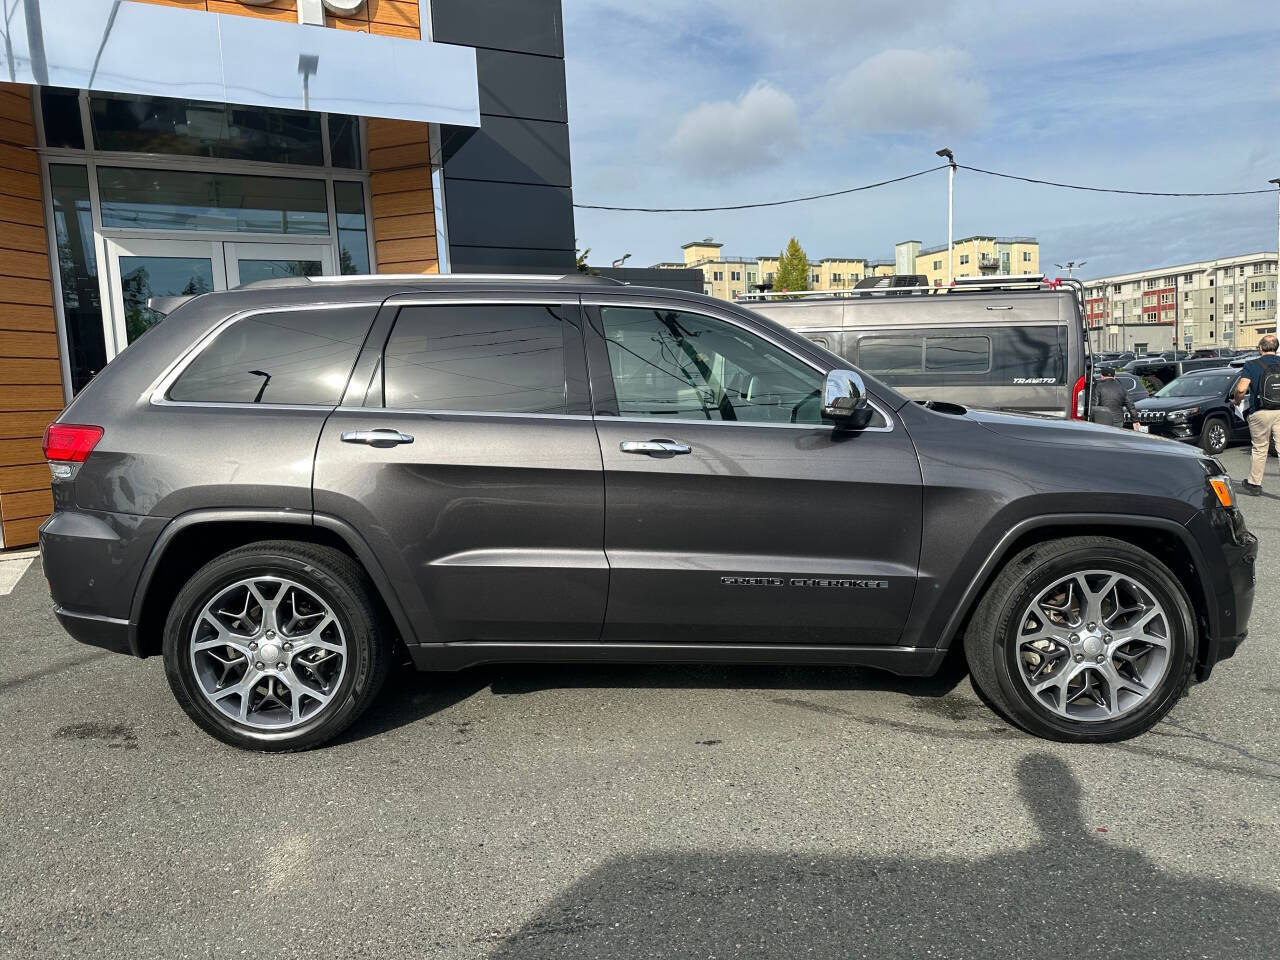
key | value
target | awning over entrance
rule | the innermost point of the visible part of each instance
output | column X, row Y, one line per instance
column 142, row 48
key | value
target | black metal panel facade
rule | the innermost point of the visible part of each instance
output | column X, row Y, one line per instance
column 508, row 186
column 510, row 150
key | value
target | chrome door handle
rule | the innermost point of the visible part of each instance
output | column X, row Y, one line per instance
column 655, row 448
column 381, row 437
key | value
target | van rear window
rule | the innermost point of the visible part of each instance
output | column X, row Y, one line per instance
column 981, row 356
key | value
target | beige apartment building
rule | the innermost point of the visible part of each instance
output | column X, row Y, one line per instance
column 974, row 256
column 1228, row 302
column 728, row 278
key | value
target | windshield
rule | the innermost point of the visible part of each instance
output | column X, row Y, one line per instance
column 1198, row 385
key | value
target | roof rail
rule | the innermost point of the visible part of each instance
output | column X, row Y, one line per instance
column 468, row 277
column 1027, row 282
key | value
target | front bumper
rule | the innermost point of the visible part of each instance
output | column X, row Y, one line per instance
column 1228, row 556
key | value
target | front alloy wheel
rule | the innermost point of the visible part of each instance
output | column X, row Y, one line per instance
column 1093, row 646
column 1083, row 639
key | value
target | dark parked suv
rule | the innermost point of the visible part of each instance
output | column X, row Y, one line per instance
column 279, row 484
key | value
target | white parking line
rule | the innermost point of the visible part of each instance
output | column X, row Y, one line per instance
column 12, row 567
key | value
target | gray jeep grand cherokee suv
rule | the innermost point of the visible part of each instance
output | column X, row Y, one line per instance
column 278, row 484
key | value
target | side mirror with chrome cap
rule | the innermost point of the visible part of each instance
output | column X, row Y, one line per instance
column 844, row 399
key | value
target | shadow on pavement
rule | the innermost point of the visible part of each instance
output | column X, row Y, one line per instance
column 409, row 696
column 1073, row 893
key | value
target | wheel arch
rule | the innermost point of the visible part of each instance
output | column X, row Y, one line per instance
column 192, row 539
column 1169, row 541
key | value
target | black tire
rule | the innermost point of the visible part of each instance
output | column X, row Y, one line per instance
column 332, row 576
column 992, row 656
column 1214, row 436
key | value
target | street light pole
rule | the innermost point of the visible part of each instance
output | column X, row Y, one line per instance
column 1276, row 181
column 951, row 209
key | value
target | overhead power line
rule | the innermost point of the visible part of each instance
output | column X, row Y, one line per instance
column 752, row 206
column 1134, row 193
column 921, row 173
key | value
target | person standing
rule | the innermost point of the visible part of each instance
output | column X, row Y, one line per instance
column 1111, row 400
column 1260, row 380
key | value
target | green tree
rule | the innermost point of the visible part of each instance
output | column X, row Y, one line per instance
column 793, row 269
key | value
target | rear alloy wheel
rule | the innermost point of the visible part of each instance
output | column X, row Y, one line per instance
column 1214, row 436
column 1083, row 639
column 274, row 646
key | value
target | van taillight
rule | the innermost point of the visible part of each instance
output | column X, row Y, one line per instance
column 70, row 442
column 1078, row 398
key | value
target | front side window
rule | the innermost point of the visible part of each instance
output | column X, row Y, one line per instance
column 294, row 357
column 671, row 364
column 494, row 358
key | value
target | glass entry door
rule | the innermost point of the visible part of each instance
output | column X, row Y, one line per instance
column 247, row 262
column 141, row 269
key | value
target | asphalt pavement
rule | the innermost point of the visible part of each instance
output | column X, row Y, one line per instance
column 635, row 812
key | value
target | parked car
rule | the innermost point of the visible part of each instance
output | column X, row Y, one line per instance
column 1112, row 359
column 1204, row 352
column 1158, row 370
column 1196, row 408
column 279, row 486
column 1022, row 350
column 1240, row 359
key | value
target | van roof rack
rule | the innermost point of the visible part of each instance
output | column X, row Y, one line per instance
column 1027, row 283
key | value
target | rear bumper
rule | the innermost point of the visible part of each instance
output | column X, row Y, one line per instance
column 107, row 633
column 93, row 561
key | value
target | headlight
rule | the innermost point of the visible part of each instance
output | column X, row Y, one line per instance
column 1183, row 414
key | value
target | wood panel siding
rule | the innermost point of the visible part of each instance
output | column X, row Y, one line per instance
column 388, row 18
column 404, row 218
column 30, row 371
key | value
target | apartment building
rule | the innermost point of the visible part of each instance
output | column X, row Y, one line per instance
column 1228, row 302
column 974, row 256
column 730, row 277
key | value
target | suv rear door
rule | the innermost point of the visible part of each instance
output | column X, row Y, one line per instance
column 750, row 522
column 489, row 520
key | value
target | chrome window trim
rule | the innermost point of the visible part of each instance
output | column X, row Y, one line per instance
column 425, row 412
column 726, row 316
column 160, row 386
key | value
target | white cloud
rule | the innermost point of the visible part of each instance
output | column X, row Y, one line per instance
column 755, row 131
column 910, row 91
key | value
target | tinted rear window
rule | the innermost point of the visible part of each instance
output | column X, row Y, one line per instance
column 294, row 357
column 978, row 356
column 506, row 358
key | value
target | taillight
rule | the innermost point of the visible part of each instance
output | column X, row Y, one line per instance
column 1078, row 398
column 70, row 442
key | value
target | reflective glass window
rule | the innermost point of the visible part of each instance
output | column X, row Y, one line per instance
column 353, row 230
column 77, row 271
column 60, row 112
column 224, row 202
column 344, row 141
column 669, row 363
column 295, row 357
column 195, row 128
column 503, row 358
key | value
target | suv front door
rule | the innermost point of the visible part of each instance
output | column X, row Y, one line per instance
column 467, row 460
column 733, row 513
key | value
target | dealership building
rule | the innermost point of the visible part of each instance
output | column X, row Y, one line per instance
column 166, row 147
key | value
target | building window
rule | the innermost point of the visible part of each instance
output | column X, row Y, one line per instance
column 1188, row 277
column 1026, row 258
column 964, row 258
column 835, row 278
column 1151, row 284
column 937, row 264
column 189, row 200
column 1151, row 317
column 816, row 278
column 60, row 110
column 353, row 231
column 77, row 271
column 735, row 275
column 717, row 275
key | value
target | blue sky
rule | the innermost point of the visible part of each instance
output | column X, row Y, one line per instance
column 737, row 101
